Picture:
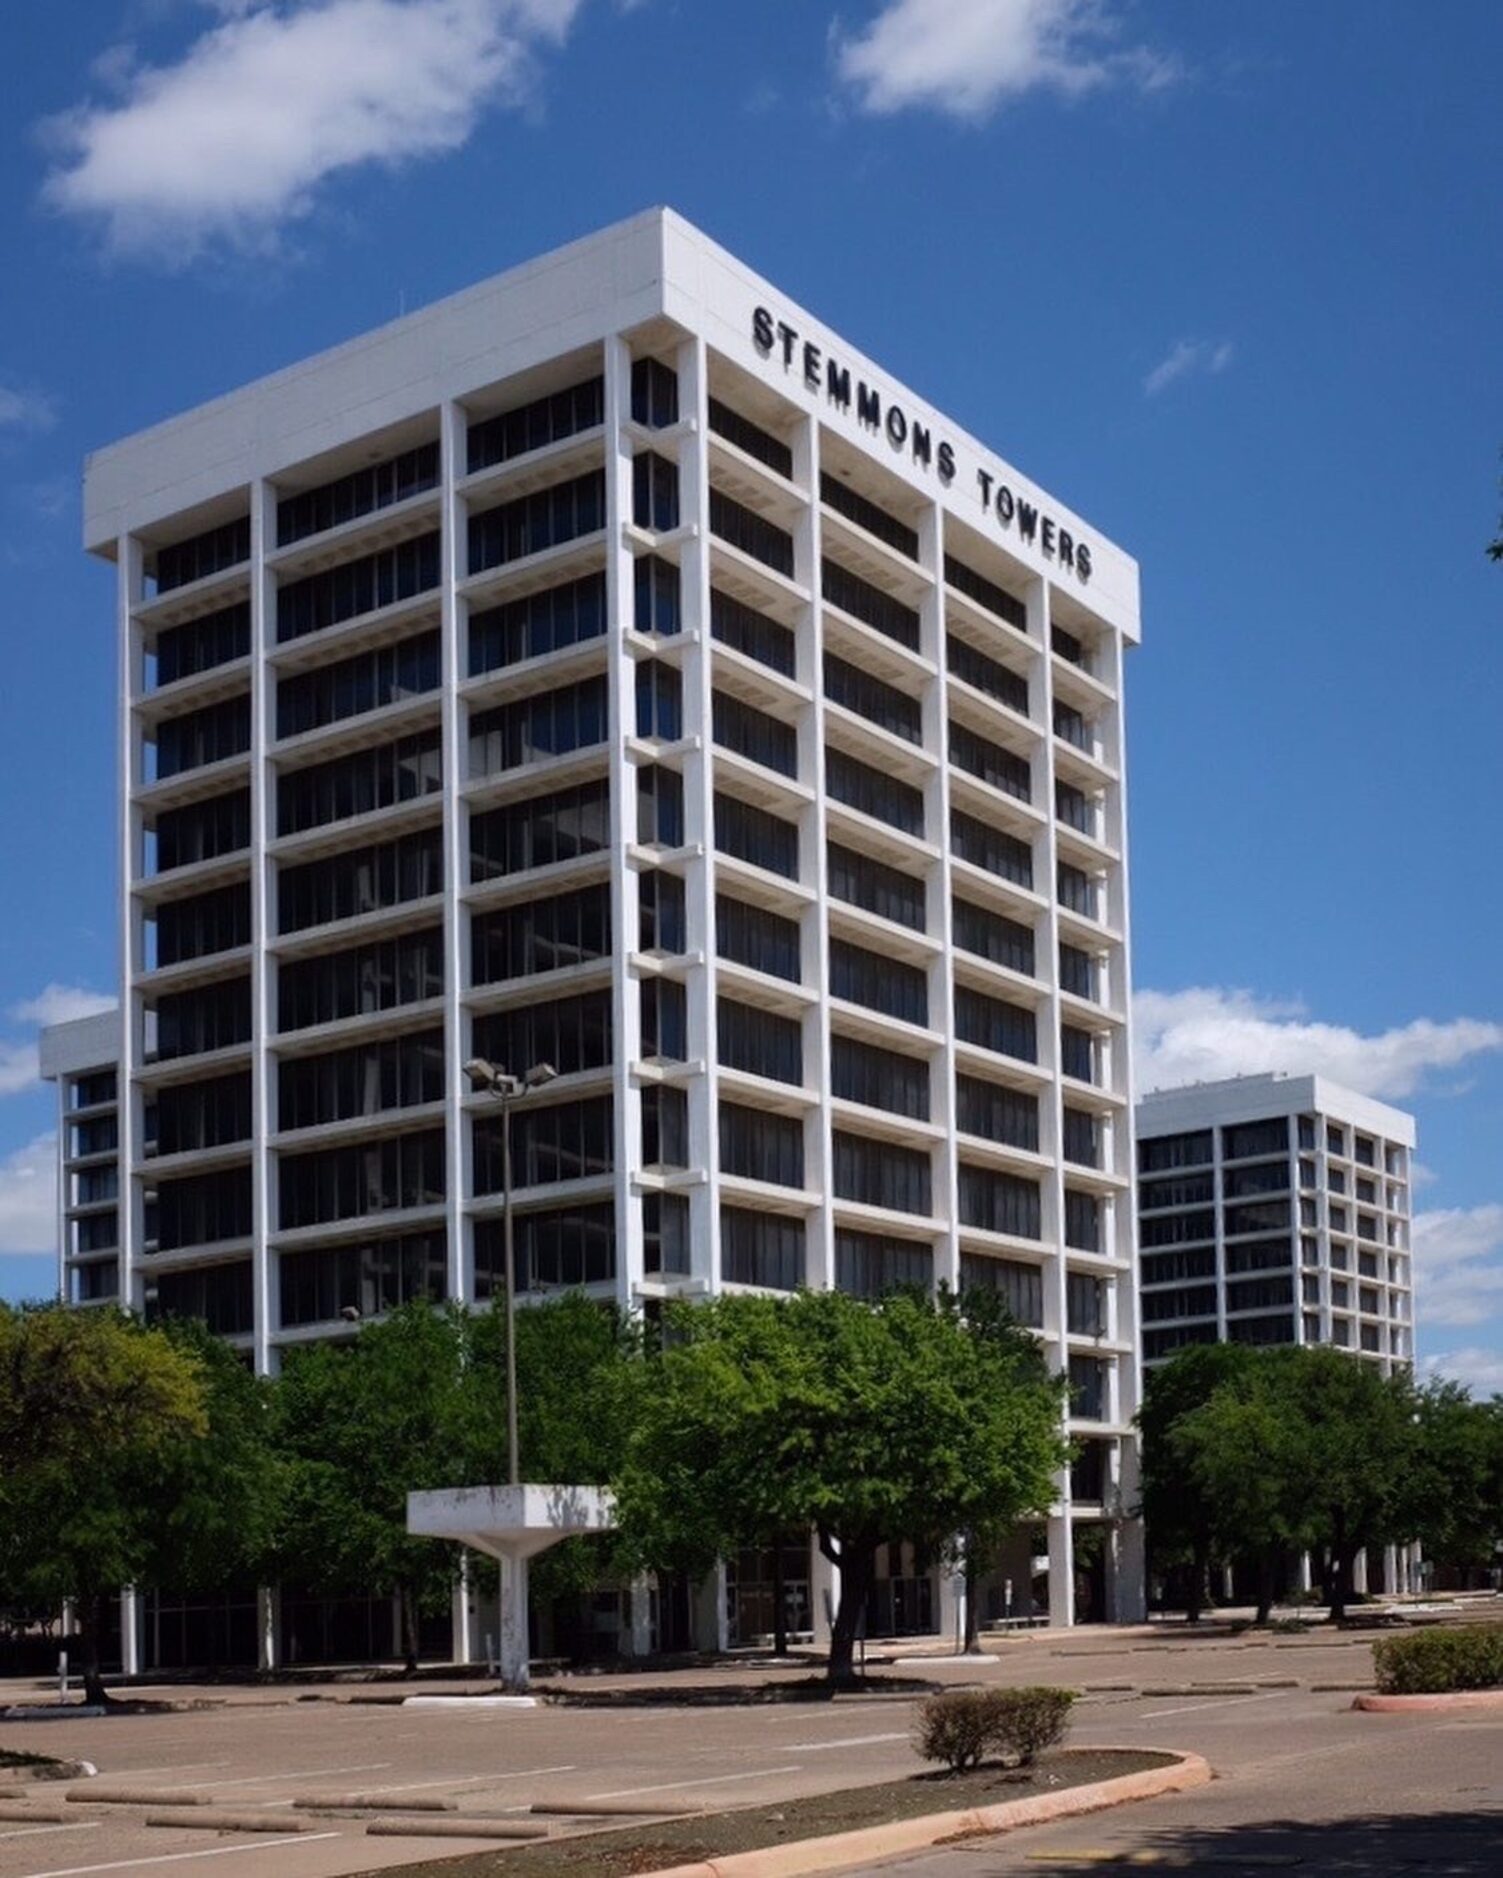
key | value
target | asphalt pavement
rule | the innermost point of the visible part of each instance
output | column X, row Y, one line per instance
column 1302, row 1779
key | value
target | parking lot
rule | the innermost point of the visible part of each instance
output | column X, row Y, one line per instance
column 1272, row 1715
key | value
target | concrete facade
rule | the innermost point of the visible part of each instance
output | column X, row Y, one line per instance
column 610, row 666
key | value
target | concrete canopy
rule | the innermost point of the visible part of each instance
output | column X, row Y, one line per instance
column 510, row 1522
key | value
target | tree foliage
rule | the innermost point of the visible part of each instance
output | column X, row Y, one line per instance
column 1186, row 1531
column 363, row 1424
column 97, row 1414
column 1257, row 1451
column 864, row 1422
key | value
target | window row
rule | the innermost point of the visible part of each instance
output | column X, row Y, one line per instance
column 199, row 644
column 550, row 723
column 382, row 975
column 376, row 777
column 362, row 492
column 360, row 880
column 336, row 594
column 544, row 519
column 536, row 624
column 366, row 681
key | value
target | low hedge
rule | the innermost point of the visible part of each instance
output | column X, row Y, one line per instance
column 962, row 1726
column 1436, row 1662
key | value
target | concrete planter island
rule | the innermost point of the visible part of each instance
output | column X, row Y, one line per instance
column 512, row 1524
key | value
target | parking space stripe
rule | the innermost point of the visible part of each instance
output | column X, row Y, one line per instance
column 671, row 1786
column 176, row 1858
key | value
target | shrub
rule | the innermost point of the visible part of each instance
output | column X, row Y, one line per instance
column 956, row 1727
column 1435, row 1662
column 1033, row 1719
column 962, row 1726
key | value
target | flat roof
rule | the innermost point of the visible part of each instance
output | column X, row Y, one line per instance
column 1278, row 1092
column 83, row 1043
column 652, row 266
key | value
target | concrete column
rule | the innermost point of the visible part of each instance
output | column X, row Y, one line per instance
column 516, row 1673
column 949, row 1605
column 712, row 1626
column 1061, row 1572
column 824, row 1593
column 1393, row 1580
column 465, row 1617
column 641, row 1616
column 1127, row 1587
column 131, row 1605
column 1359, row 1573
column 268, row 1627
column 1127, row 1590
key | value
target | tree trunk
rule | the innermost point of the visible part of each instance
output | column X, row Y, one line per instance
column 407, row 1603
column 1265, row 1585
column 90, row 1630
column 1200, row 1564
column 972, row 1613
column 1339, row 1585
column 857, row 1563
column 779, row 1602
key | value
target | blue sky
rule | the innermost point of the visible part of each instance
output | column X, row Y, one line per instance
column 1228, row 279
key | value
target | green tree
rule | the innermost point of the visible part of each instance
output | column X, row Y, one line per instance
column 1186, row 1531
column 360, row 1425
column 95, row 1412
column 858, row 1421
column 221, row 1496
column 1241, row 1454
column 1350, row 1468
column 1453, row 1489
column 575, row 1358
column 984, row 1314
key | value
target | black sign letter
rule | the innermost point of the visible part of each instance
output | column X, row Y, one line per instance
column 762, row 329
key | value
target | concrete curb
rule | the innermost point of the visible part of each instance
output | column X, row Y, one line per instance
column 1429, row 1704
column 842, row 1849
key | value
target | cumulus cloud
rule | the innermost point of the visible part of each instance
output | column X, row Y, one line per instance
column 1458, row 1265
column 1189, row 358
column 1481, row 1370
column 28, row 1197
column 1207, row 1032
column 965, row 57
column 54, row 1004
column 25, row 409
column 232, row 141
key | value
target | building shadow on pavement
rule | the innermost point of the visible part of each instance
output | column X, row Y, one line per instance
column 1458, row 1844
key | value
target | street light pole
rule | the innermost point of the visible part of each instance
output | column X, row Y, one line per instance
column 507, row 1088
column 508, row 1239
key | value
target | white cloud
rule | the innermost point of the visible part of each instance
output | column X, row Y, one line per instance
column 1481, row 1370
column 964, row 57
column 28, row 1197
column 22, row 409
column 1186, row 358
column 1458, row 1265
column 60, row 1004
column 233, row 139
column 1207, row 1032
column 54, row 1004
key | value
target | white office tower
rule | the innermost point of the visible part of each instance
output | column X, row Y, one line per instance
column 82, row 1057
column 1275, row 1209
column 609, row 667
